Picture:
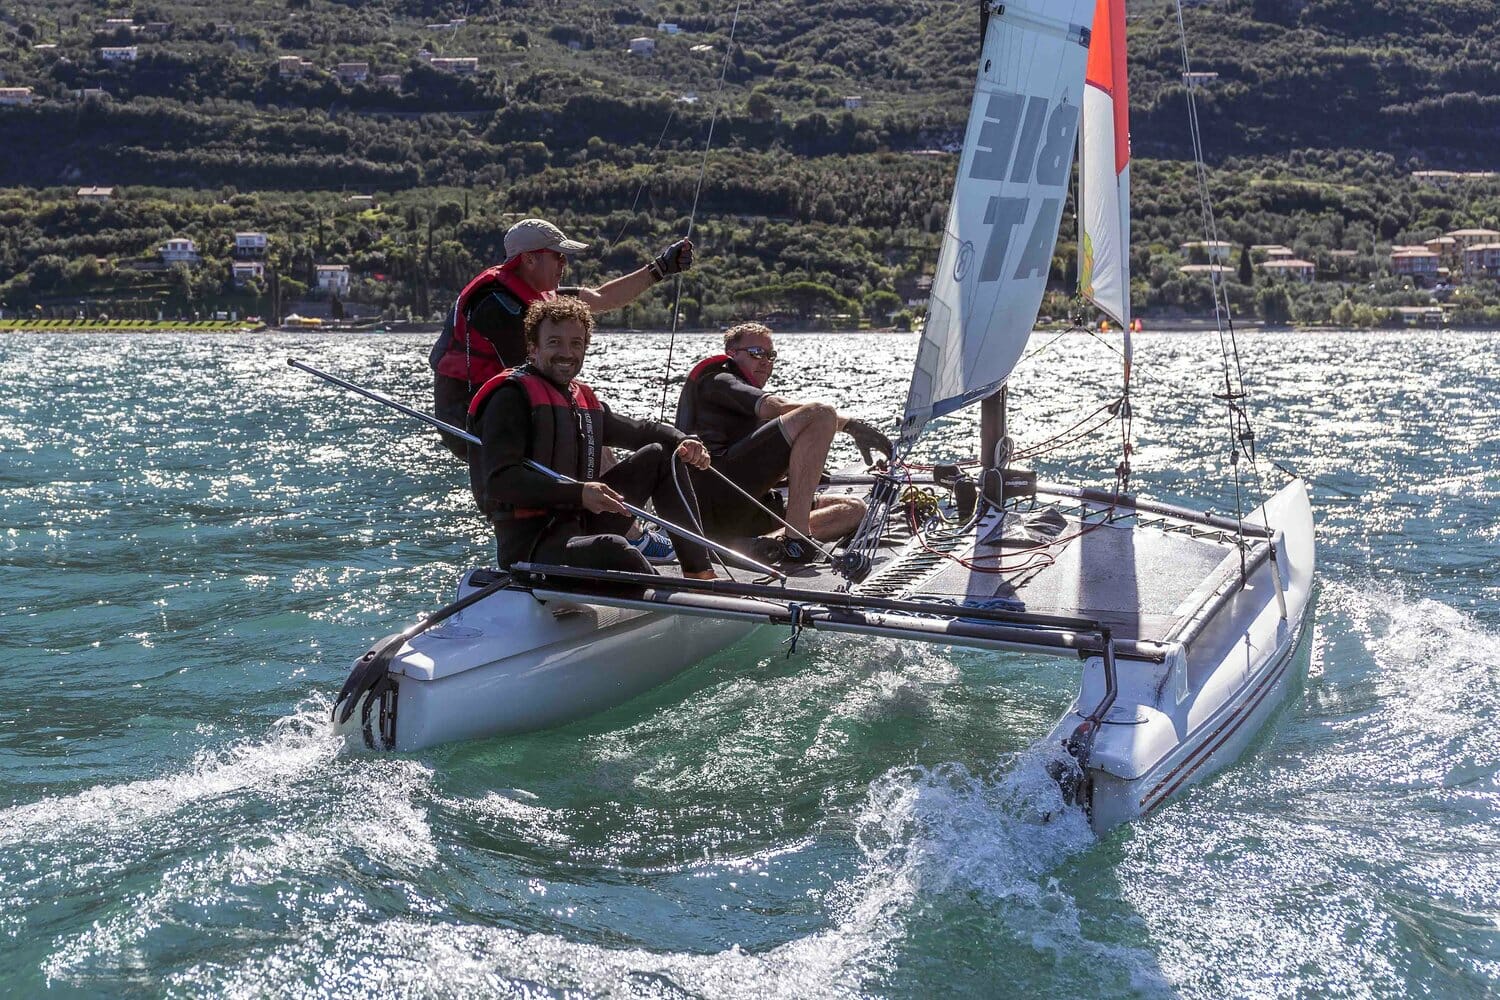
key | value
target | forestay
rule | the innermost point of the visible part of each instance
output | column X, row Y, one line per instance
column 1007, row 202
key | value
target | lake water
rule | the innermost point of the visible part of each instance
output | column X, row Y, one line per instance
column 198, row 539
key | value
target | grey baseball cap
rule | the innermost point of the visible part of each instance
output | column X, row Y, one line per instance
column 538, row 234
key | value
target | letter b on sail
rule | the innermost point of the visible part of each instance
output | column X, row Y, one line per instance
column 1044, row 152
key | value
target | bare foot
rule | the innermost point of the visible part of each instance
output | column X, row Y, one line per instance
column 702, row 574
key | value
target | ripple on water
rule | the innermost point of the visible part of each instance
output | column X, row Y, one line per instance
column 184, row 584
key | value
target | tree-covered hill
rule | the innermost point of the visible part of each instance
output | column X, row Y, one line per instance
column 205, row 97
column 239, row 114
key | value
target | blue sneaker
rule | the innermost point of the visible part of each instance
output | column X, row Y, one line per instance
column 656, row 547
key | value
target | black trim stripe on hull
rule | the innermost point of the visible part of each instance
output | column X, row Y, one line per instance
column 1200, row 756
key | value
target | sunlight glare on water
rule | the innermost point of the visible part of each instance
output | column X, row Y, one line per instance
column 199, row 539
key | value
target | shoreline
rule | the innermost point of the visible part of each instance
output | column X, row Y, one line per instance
column 1180, row 325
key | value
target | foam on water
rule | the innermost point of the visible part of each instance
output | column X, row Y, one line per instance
column 923, row 832
column 299, row 744
column 1379, row 862
column 184, row 587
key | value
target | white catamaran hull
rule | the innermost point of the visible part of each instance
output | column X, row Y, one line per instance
column 514, row 664
column 1177, row 722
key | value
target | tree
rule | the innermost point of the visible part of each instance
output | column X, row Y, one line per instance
column 1246, row 273
column 880, row 305
column 1274, row 305
column 759, row 106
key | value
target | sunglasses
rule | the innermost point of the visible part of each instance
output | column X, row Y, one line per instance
column 759, row 353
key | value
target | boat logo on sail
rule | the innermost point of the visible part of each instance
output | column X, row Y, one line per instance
column 965, row 258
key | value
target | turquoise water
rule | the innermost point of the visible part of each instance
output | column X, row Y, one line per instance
column 197, row 540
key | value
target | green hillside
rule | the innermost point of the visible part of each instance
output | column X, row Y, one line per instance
column 236, row 116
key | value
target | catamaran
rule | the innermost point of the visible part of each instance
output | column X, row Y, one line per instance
column 1188, row 627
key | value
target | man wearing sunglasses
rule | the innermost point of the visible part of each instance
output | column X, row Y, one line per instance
column 756, row 438
column 483, row 333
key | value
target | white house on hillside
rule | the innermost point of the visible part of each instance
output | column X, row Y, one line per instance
column 462, row 65
column 248, row 246
column 179, row 249
column 333, row 278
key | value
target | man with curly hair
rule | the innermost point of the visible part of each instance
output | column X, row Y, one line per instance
column 541, row 411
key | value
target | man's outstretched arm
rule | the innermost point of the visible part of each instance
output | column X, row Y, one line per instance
column 627, row 287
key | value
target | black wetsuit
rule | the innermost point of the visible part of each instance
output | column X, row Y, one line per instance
column 571, row 535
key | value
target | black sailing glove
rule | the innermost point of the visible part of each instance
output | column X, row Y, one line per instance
column 867, row 439
column 673, row 260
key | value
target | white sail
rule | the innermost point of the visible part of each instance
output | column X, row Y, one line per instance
column 1104, row 169
column 1007, row 202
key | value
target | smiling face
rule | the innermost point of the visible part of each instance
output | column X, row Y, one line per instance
column 559, row 350
column 755, row 356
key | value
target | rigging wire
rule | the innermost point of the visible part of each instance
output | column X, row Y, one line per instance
column 1236, row 417
column 666, row 378
column 644, row 180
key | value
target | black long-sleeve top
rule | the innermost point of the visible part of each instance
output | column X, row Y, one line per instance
column 505, row 430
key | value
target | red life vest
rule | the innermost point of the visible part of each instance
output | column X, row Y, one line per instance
column 692, row 416
column 461, row 352
column 567, row 433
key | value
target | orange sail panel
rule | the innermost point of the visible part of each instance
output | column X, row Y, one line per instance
column 1104, row 168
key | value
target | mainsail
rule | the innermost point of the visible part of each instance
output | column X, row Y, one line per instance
column 1007, row 202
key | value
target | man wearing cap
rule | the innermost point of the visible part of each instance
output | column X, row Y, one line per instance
column 483, row 334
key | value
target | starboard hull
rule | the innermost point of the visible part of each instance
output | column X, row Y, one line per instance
column 1175, row 723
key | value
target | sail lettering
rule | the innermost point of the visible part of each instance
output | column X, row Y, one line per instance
column 1004, row 214
column 1037, row 256
column 1014, row 147
column 1057, row 153
column 1031, row 131
column 1002, row 116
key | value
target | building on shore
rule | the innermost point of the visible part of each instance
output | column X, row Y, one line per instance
column 333, row 278
column 179, row 250
column 1207, row 251
column 1482, row 259
column 249, row 246
column 1415, row 262
column 1291, row 269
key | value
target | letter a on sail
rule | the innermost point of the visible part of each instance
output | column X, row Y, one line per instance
column 1104, row 169
column 1008, row 198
